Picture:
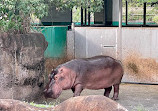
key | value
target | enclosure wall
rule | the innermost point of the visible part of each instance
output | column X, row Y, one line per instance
column 139, row 49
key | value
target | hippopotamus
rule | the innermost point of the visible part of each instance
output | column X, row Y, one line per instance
column 99, row 72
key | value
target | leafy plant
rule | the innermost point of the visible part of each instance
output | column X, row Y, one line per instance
column 15, row 14
column 135, row 11
column 155, row 19
column 142, row 1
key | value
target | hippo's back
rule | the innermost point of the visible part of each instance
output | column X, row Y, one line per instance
column 93, row 63
column 104, row 61
column 96, row 72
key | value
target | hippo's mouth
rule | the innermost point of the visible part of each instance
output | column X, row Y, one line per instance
column 56, row 95
column 48, row 95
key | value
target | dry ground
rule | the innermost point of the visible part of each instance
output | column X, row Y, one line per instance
column 134, row 97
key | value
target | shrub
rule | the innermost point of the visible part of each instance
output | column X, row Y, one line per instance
column 15, row 14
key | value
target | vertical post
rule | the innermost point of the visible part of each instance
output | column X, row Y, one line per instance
column 144, row 15
column 89, row 17
column 120, row 14
column 126, row 12
column 85, row 16
column 119, row 35
column 108, row 7
column 71, row 15
column 81, row 16
column 105, row 12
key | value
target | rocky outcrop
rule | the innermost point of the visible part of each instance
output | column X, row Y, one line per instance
column 15, row 105
column 89, row 103
column 80, row 103
column 21, row 65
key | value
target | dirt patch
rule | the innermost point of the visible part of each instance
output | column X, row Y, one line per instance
column 137, row 65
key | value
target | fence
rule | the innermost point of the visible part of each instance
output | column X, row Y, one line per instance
column 135, row 13
column 140, row 13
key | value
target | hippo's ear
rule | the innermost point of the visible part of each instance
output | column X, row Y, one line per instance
column 51, row 75
column 54, row 72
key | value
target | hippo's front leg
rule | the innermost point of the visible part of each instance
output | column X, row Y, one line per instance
column 78, row 90
column 73, row 90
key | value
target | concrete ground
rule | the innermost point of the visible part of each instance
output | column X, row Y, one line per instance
column 134, row 97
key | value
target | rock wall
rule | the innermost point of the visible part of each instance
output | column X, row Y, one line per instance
column 21, row 65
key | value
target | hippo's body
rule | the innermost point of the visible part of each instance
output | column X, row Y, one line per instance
column 99, row 72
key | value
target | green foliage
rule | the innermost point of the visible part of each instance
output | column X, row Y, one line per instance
column 92, row 5
column 76, row 15
column 135, row 11
column 141, row 1
column 15, row 14
column 155, row 19
column 138, row 3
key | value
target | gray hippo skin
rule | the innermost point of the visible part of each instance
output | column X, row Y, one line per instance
column 99, row 72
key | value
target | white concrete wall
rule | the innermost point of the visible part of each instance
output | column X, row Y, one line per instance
column 142, row 43
column 95, row 41
column 142, row 40
column 70, row 45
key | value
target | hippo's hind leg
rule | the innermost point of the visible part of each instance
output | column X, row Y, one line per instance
column 107, row 91
column 116, row 92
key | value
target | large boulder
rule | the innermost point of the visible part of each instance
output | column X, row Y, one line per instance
column 89, row 103
column 16, row 105
column 80, row 103
column 21, row 65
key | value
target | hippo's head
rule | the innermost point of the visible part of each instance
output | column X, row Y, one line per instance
column 58, row 81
